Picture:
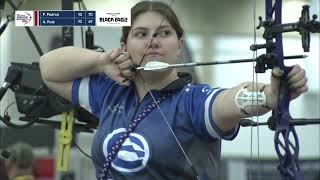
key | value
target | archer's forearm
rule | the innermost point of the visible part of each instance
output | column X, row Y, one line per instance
column 227, row 114
column 68, row 63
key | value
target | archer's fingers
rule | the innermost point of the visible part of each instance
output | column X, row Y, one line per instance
column 127, row 73
column 303, row 89
column 296, row 76
column 125, row 65
column 109, row 56
column 298, row 84
column 123, row 57
column 115, row 53
column 125, row 68
column 299, row 91
column 295, row 70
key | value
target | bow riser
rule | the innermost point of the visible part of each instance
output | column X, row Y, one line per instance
column 287, row 150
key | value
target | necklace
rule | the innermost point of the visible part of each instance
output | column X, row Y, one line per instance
column 130, row 128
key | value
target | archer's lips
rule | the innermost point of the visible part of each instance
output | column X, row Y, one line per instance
column 154, row 54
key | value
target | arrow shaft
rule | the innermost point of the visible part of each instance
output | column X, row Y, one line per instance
column 220, row 62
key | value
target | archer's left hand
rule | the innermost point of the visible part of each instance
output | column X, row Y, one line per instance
column 296, row 79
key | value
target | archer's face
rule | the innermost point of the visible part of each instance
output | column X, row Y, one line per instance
column 165, row 47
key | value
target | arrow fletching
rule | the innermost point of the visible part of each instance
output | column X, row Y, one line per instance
column 154, row 66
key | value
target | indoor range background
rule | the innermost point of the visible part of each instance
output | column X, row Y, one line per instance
column 215, row 30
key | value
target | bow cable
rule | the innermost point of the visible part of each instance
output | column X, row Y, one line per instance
column 254, row 86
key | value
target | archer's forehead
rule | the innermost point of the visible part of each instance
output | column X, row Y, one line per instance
column 150, row 20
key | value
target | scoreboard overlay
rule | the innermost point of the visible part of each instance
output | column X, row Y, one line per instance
column 58, row 18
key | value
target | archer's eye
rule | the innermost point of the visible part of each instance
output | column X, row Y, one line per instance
column 164, row 33
column 140, row 34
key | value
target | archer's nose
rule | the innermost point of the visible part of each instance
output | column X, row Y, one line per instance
column 155, row 41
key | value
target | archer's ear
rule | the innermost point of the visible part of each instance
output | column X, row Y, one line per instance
column 181, row 41
column 123, row 47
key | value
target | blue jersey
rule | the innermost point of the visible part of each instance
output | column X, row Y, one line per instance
column 151, row 151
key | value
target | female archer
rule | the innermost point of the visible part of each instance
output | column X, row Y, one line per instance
column 155, row 124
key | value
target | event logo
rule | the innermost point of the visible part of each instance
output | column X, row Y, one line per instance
column 133, row 155
column 207, row 89
column 113, row 18
column 113, row 14
column 24, row 18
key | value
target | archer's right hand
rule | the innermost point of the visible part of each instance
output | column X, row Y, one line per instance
column 116, row 65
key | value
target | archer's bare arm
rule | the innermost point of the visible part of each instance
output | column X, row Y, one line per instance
column 227, row 115
column 61, row 66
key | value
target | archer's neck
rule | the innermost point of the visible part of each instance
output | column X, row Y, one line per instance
column 154, row 80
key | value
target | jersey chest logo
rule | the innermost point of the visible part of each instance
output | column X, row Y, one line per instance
column 133, row 155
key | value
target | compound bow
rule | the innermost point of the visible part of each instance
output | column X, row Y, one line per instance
column 287, row 151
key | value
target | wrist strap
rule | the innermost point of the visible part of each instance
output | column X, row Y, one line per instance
column 246, row 98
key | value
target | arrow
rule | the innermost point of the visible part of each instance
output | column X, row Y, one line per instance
column 158, row 66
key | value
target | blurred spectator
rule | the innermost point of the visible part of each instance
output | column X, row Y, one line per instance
column 20, row 163
column 3, row 173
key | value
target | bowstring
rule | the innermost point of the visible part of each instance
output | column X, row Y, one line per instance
column 167, row 122
column 153, row 98
column 318, row 76
column 255, row 86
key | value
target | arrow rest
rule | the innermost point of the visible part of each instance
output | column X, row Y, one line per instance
column 266, row 61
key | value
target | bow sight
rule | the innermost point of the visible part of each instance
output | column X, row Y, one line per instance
column 304, row 26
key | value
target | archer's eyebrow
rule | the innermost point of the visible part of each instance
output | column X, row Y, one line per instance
column 144, row 28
